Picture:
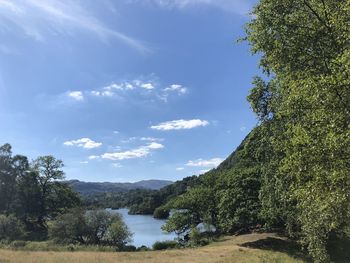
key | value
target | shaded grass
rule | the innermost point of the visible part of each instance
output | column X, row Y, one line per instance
column 228, row 250
column 279, row 244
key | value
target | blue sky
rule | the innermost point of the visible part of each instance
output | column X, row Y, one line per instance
column 125, row 90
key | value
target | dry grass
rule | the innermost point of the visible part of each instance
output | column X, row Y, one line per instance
column 228, row 250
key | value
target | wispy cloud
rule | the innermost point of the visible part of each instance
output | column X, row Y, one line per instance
column 176, row 88
column 180, row 125
column 179, row 168
column 94, row 157
column 211, row 163
column 151, row 139
column 76, row 95
column 240, row 7
column 40, row 18
column 142, row 88
column 139, row 152
column 85, row 143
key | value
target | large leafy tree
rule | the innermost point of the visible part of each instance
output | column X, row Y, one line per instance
column 305, row 50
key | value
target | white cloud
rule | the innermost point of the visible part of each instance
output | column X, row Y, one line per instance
column 176, row 88
column 205, row 163
column 77, row 95
column 240, row 7
column 38, row 19
column 151, row 139
column 83, row 143
column 180, row 125
column 179, row 168
column 104, row 93
column 116, row 88
column 148, row 86
column 93, row 157
column 139, row 152
column 143, row 88
column 84, row 162
column 243, row 128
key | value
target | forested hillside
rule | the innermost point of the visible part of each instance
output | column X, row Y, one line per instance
column 292, row 171
column 90, row 188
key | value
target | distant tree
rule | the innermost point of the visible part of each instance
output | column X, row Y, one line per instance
column 54, row 196
column 7, row 179
column 118, row 234
column 161, row 213
column 69, row 227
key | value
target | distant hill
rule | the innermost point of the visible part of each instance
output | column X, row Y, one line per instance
column 89, row 188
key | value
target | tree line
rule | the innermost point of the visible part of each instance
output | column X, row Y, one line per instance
column 35, row 204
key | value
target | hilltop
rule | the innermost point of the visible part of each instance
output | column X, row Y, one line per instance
column 89, row 188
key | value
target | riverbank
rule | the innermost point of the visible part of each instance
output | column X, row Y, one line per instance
column 245, row 248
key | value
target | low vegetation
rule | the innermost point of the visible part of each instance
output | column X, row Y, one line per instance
column 251, row 248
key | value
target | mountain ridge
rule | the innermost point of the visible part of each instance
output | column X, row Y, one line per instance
column 89, row 188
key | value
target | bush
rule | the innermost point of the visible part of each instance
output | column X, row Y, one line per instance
column 129, row 248
column 195, row 236
column 95, row 227
column 11, row 228
column 161, row 245
column 143, row 248
column 161, row 213
column 18, row 244
column 118, row 233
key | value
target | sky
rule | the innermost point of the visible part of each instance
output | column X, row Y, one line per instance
column 126, row 90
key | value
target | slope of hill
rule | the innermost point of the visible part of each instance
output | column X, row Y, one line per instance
column 91, row 188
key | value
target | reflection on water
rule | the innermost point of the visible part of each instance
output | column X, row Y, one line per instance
column 146, row 230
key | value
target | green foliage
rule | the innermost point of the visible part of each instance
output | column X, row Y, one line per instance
column 161, row 213
column 31, row 192
column 162, row 245
column 69, row 227
column 195, row 236
column 140, row 201
column 305, row 49
column 94, row 227
column 118, row 234
column 11, row 228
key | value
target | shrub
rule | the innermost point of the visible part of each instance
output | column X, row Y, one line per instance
column 118, row 233
column 195, row 236
column 11, row 228
column 161, row 213
column 128, row 248
column 161, row 245
column 95, row 227
column 143, row 248
column 18, row 244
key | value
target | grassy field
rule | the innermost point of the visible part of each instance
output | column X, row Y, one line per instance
column 245, row 248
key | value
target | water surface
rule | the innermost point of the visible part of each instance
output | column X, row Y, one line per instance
column 146, row 229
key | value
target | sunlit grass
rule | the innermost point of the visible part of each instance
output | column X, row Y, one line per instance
column 227, row 250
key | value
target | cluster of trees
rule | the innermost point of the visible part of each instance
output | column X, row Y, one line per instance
column 92, row 227
column 292, row 171
column 141, row 201
column 30, row 193
column 35, row 205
